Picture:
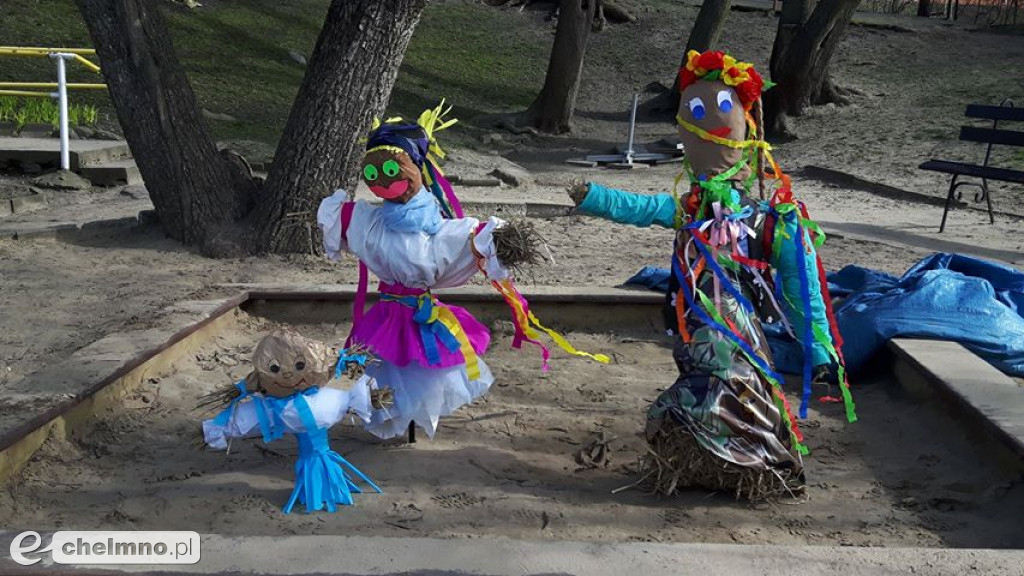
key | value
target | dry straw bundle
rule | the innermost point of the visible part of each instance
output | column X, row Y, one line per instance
column 518, row 244
column 675, row 460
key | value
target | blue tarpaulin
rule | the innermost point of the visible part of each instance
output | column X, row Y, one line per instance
column 944, row 297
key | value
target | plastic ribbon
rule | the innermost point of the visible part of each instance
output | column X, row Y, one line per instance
column 837, row 338
column 432, row 121
column 359, row 302
column 759, row 363
column 269, row 413
column 438, row 323
column 808, row 336
column 431, row 181
column 718, row 186
column 224, row 417
column 699, row 243
column 783, row 207
column 321, row 443
column 705, row 135
column 525, row 323
column 320, row 477
column 344, row 358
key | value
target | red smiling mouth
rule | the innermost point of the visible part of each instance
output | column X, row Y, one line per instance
column 721, row 132
column 392, row 191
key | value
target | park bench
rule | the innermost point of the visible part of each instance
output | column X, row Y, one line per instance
column 991, row 137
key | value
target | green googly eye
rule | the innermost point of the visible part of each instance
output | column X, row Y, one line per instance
column 391, row 168
column 370, row 172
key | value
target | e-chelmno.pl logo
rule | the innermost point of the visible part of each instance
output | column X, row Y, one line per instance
column 108, row 548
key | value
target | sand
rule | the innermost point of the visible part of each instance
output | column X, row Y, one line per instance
column 506, row 466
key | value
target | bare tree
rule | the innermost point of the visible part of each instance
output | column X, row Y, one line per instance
column 703, row 37
column 192, row 186
column 348, row 82
column 803, row 48
column 553, row 108
column 706, row 30
column 210, row 199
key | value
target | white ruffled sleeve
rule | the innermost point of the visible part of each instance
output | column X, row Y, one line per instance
column 330, row 405
column 328, row 218
column 359, row 397
column 484, row 244
column 242, row 421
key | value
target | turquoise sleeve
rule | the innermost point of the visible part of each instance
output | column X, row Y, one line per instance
column 623, row 207
column 788, row 270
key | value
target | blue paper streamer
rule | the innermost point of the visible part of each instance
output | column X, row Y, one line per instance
column 705, row 318
column 805, row 296
column 429, row 331
column 729, row 287
column 320, row 478
column 344, row 358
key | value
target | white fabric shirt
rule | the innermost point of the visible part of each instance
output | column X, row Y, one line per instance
column 328, row 406
column 412, row 259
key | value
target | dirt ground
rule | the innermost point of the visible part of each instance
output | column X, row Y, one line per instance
column 505, row 466
column 57, row 297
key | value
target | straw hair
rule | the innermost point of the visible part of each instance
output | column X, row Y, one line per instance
column 219, row 398
column 578, row 191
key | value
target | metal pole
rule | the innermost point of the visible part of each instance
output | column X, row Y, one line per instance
column 632, row 129
column 62, row 96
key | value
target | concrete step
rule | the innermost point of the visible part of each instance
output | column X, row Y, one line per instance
column 113, row 172
column 46, row 151
column 982, row 398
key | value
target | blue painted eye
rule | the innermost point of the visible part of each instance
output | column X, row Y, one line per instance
column 725, row 101
column 697, row 108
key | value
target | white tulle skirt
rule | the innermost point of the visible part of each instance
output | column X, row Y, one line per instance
column 423, row 395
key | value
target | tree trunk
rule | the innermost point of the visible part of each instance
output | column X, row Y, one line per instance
column 710, row 21
column 210, row 199
column 924, row 8
column 703, row 37
column 348, row 83
column 828, row 92
column 800, row 59
column 553, row 109
column 791, row 19
column 195, row 190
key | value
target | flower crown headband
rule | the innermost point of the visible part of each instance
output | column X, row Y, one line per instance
column 715, row 65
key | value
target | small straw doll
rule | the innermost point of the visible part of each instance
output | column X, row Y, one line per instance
column 287, row 392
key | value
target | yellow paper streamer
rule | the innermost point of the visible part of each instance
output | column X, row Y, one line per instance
column 527, row 320
column 445, row 316
column 705, row 135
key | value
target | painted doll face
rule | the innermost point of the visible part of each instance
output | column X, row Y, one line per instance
column 714, row 107
column 284, row 363
column 391, row 175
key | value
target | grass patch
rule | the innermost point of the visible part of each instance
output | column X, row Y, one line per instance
column 1017, row 160
column 49, row 23
column 236, row 54
column 482, row 59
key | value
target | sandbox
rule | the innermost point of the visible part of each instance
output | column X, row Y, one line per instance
column 508, row 465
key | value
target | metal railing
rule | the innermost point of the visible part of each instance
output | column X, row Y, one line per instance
column 61, row 56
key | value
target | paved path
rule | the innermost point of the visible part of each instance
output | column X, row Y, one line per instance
column 493, row 557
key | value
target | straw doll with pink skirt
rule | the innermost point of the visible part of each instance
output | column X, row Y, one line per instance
column 418, row 240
